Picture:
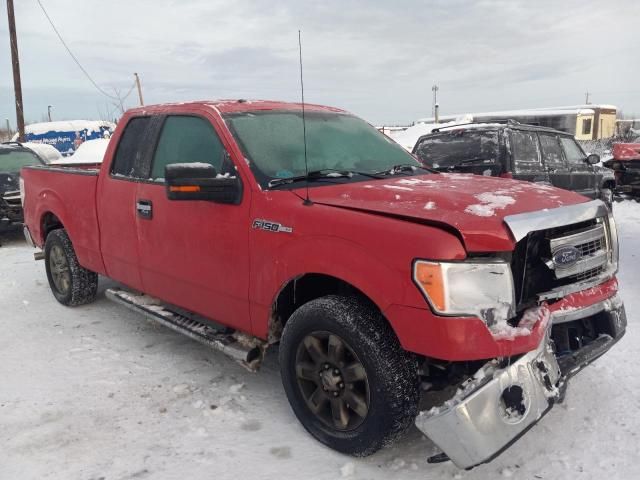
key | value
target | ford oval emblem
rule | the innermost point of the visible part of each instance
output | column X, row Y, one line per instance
column 566, row 256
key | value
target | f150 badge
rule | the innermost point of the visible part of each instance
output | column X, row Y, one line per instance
column 270, row 226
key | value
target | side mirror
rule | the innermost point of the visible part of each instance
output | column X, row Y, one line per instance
column 200, row 181
column 593, row 159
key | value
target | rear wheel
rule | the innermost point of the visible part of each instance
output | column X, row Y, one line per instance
column 70, row 283
column 347, row 378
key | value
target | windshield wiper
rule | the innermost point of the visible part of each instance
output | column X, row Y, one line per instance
column 403, row 167
column 318, row 175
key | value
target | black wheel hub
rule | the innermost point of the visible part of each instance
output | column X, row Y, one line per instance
column 332, row 380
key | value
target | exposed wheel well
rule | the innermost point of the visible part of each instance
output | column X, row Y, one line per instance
column 49, row 223
column 303, row 289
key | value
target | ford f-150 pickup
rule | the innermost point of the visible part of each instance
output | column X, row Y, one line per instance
column 396, row 294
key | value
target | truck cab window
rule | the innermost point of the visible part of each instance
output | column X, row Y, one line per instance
column 572, row 151
column 128, row 160
column 452, row 148
column 188, row 139
column 551, row 151
column 525, row 151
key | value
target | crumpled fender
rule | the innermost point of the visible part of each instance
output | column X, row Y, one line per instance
column 334, row 257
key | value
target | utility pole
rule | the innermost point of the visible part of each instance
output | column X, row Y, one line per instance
column 49, row 107
column 17, row 86
column 139, row 89
column 586, row 97
column 434, row 89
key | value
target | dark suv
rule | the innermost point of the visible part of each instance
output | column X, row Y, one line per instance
column 13, row 156
column 514, row 150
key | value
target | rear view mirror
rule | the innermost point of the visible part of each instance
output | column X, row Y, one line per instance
column 200, row 181
column 593, row 159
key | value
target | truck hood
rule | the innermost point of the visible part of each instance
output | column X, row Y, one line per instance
column 474, row 206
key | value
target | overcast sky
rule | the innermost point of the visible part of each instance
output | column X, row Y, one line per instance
column 375, row 58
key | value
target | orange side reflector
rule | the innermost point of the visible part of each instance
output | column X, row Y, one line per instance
column 429, row 276
column 184, row 188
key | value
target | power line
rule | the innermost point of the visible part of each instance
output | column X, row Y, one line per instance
column 75, row 59
column 130, row 90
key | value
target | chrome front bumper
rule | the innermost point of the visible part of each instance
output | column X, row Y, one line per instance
column 501, row 403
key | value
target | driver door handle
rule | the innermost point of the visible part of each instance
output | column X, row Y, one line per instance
column 144, row 209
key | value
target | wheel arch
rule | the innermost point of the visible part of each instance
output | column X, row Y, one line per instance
column 49, row 221
column 302, row 289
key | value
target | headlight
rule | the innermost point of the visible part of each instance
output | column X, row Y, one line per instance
column 482, row 289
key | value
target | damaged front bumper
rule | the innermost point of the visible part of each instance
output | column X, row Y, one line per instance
column 502, row 402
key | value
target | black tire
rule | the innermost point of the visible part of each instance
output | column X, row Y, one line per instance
column 392, row 383
column 70, row 283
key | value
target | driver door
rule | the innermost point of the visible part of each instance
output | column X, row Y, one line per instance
column 583, row 176
column 194, row 253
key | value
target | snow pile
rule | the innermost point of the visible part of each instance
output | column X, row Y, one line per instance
column 408, row 138
column 490, row 202
column 91, row 151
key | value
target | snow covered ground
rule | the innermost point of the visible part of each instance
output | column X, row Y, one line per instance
column 95, row 392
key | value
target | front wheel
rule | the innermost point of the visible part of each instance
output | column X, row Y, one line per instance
column 70, row 283
column 347, row 378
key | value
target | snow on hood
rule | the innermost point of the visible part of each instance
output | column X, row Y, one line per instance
column 473, row 205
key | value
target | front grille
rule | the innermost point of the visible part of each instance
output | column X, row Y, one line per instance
column 538, row 265
column 592, row 247
column 588, row 274
column 12, row 198
column 586, row 246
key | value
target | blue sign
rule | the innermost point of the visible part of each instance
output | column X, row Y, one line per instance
column 66, row 142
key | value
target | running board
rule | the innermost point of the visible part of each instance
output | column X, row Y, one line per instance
column 247, row 350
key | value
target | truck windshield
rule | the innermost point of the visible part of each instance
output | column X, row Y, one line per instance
column 13, row 161
column 273, row 143
column 458, row 146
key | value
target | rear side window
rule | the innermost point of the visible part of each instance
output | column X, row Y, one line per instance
column 128, row 160
column 186, row 139
column 524, row 148
column 572, row 150
column 453, row 148
column 551, row 150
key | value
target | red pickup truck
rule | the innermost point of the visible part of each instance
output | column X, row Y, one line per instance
column 397, row 294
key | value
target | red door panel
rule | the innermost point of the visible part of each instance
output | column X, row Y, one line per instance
column 194, row 254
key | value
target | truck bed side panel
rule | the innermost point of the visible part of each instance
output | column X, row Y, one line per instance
column 69, row 194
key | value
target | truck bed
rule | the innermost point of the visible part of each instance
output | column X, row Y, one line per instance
column 70, row 193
